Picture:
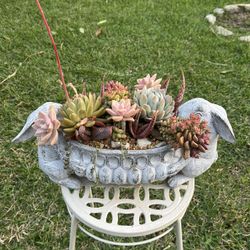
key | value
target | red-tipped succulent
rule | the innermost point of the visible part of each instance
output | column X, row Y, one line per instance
column 192, row 134
column 114, row 90
column 139, row 131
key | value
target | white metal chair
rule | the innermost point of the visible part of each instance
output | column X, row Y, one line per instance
column 128, row 211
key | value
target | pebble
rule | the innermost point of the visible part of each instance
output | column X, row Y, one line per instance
column 143, row 142
column 126, row 146
column 219, row 11
column 211, row 18
column 119, row 145
column 223, row 31
column 244, row 38
column 115, row 144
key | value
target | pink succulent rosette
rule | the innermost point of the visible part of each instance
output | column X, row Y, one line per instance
column 122, row 110
column 46, row 126
column 148, row 82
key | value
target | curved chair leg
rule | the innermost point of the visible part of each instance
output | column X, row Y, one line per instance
column 73, row 229
column 178, row 230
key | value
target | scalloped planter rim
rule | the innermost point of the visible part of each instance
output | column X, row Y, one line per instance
column 123, row 167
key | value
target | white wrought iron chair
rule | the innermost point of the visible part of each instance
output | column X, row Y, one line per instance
column 146, row 210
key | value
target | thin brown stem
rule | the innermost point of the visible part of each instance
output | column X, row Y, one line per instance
column 55, row 50
column 179, row 98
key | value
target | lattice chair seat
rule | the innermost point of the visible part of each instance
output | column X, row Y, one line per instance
column 128, row 211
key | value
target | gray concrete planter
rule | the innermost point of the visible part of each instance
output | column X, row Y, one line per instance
column 121, row 167
column 72, row 164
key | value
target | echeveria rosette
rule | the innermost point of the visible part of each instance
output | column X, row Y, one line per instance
column 46, row 126
column 81, row 111
column 148, row 82
column 154, row 100
column 122, row 110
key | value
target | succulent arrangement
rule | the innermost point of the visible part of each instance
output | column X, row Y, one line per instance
column 119, row 118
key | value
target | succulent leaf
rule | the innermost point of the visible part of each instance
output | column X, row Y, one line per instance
column 67, row 123
column 74, row 117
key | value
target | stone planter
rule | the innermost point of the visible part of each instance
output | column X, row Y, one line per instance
column 72, row 164
column 123, row 167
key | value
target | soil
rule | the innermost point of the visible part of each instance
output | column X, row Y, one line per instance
column 240, row 20
column 106, row 144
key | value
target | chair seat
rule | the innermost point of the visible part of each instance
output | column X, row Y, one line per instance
column 129, row 211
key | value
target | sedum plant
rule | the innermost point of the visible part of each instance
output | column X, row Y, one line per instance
column 192, row 134
column 118, row 135
column 114, row 90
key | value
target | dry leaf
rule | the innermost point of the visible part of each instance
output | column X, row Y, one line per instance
column 101, row 22
column 98, row 32
column 81, row 30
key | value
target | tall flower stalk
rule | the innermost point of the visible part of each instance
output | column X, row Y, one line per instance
column 55, row 50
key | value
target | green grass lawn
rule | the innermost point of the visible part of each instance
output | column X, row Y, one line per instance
column 139, row 37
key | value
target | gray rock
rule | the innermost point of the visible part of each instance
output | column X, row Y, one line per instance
column 211, row 18
column 244, row 38
column 126, row 146
column 245, row 6
column 232, row 8
column 219, row 11
column 115, row 144
column 223, row 31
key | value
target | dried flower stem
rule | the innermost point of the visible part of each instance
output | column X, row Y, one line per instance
column 84, row 92
column 179, row 97
column 74, row 89
column 55, row 50
column 165, row 84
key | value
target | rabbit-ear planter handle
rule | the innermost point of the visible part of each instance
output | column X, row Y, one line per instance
column 72, row 164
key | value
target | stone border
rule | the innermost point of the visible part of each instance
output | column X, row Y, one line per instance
column 232, row 8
